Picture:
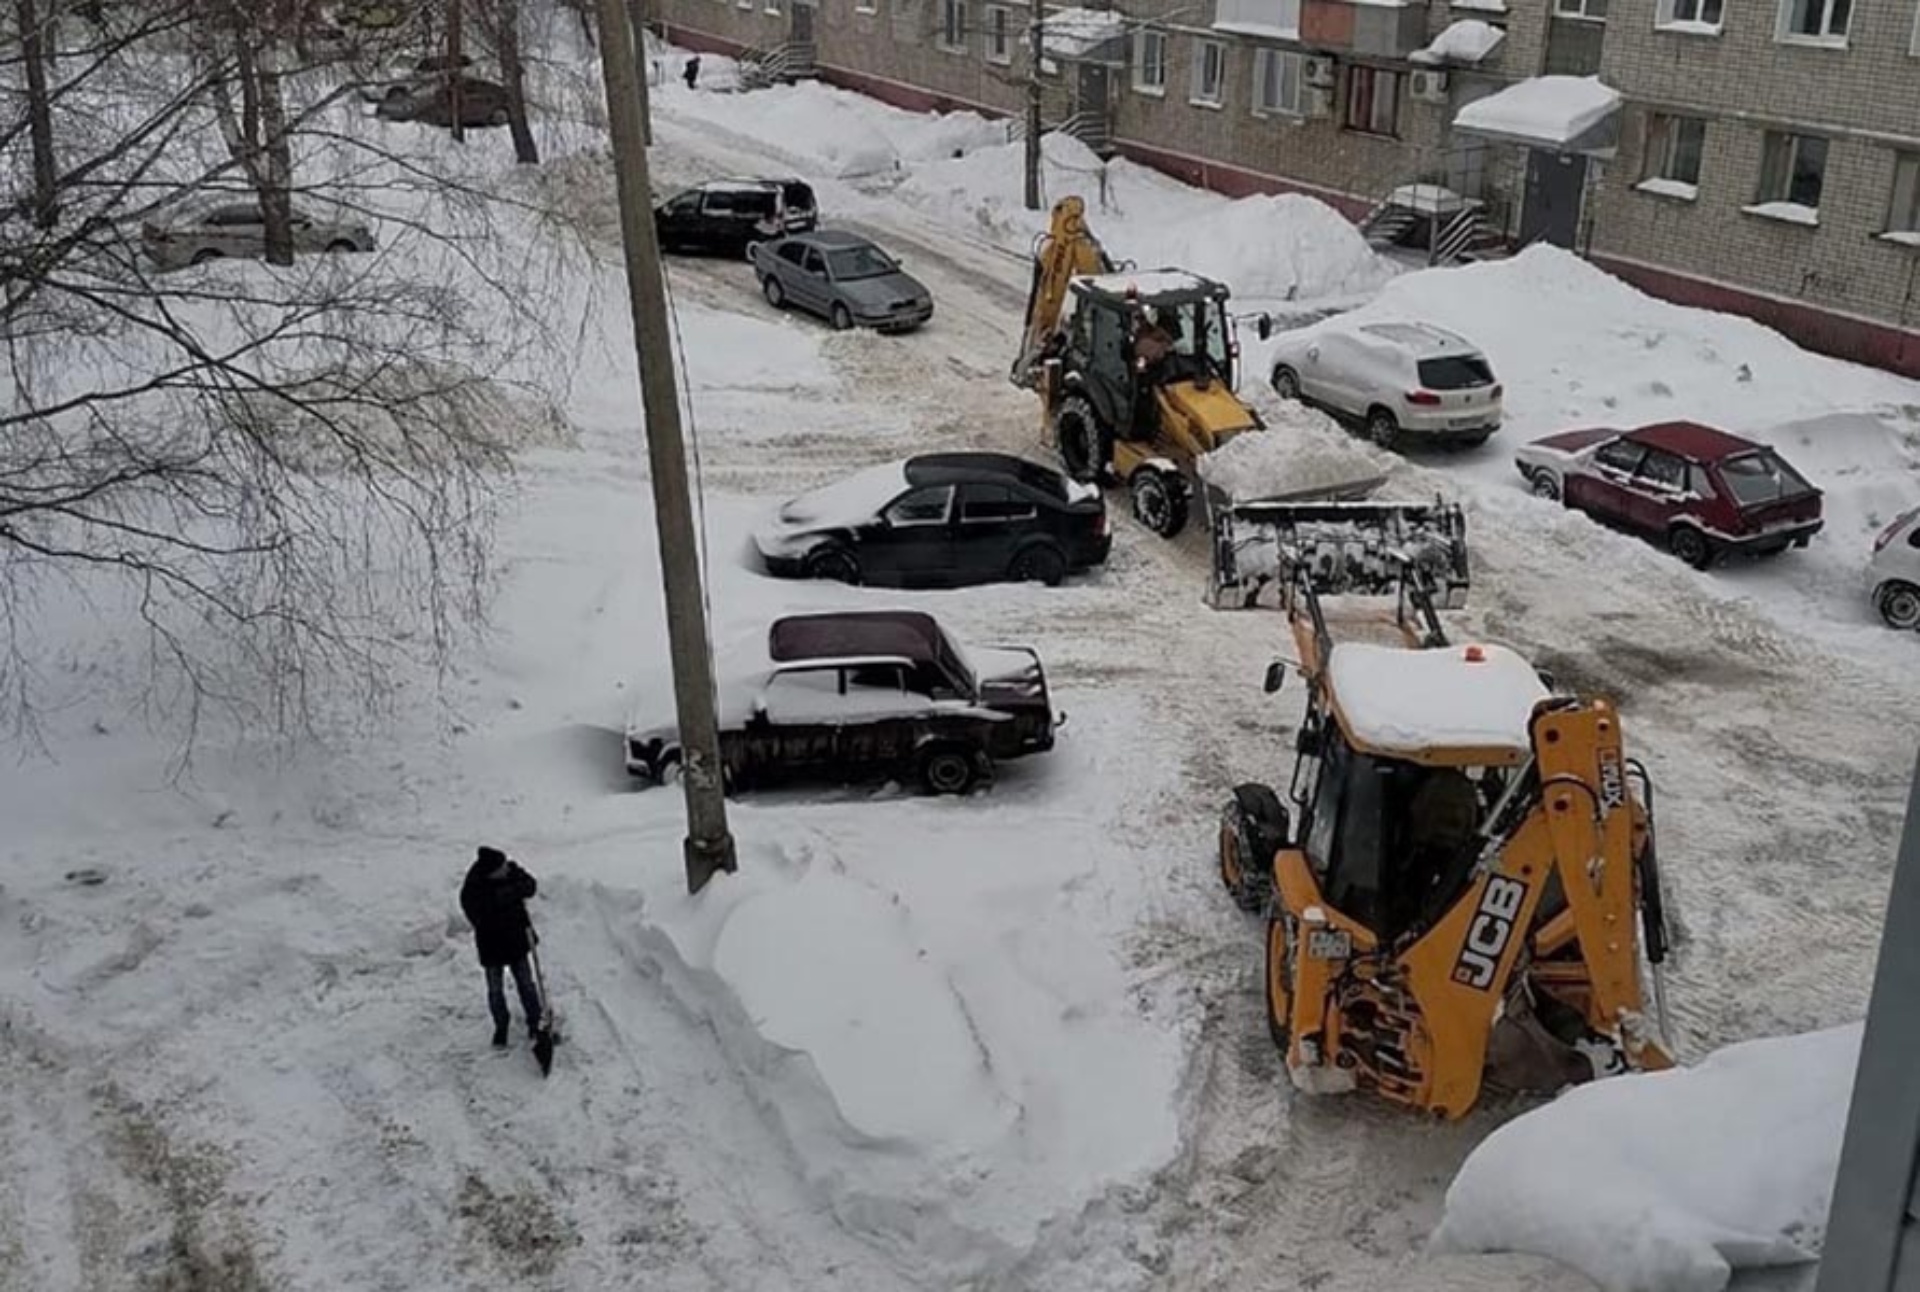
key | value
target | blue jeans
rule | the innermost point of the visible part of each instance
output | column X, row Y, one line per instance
column 497, row 993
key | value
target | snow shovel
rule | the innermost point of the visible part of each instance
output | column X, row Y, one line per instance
column 548, row 1036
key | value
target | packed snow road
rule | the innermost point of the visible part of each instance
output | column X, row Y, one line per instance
column 254, row 1055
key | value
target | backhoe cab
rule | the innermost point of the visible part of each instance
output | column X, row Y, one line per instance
column 1136, row 370
column 1462, row 883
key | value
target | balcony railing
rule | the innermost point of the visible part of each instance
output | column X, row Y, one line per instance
column 1367, row 29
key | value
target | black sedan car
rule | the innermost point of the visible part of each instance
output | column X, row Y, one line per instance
column 941, row 520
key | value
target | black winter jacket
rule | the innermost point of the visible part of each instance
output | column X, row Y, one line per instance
column 494, row 898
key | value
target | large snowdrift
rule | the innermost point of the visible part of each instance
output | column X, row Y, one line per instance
column 1300, row 449
column 1668, row 1182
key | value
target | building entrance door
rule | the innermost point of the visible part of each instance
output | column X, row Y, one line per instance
column 1556, row 183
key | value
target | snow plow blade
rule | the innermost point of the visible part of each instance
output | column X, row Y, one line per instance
column 1262, row 550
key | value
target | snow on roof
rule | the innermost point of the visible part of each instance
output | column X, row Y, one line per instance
column 1542, row 110
column 1431, row 199
column 1466, row 41
column 1150, row 282
column 1479, row 6
column 1077, row 33
column 1403, row 700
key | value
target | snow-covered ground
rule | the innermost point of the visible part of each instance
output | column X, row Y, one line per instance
column 1014, row 1041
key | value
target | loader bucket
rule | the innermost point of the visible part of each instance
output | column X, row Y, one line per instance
column 1263, row 550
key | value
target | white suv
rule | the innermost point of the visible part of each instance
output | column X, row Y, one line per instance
column 1400, row 381
column 1894, row 572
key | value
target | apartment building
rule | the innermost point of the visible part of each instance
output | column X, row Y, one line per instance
column 1764, row 160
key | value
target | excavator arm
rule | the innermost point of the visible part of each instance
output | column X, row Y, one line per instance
column 1066, row 251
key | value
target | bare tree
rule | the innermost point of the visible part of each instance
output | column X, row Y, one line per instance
column 284, row 474
column 502, row 21
column 33, row 57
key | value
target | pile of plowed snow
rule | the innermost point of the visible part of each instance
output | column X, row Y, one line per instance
column 1301, row 449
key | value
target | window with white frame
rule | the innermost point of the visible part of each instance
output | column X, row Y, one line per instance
column 1699, row 14
column 1276, row 83
column 1793, row 169
column 1903, row 212
column 1373, row 100
column 773, row 7
column 1589, row 10
column 1821, row 22
column 953, row 24
column 1674, row 145
column 866, row 6
column 1209, row 72
column 999, row 35
column 1150, row 61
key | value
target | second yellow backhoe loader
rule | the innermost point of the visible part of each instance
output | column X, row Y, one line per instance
column 1461, row 885
column 1135, row 371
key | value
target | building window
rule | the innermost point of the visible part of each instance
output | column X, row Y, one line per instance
column 1674, row 145
column 1700, row 15
column 1150, row 62
column 1589, row 10
column 1276, row 83
column 1209, row 72
column 866, row 6
column 1821, row 22
column 773, row 7
column 1792, row 169
column 1903, row 213
column 953, row 25
column 999, row 40
column 1373, row 100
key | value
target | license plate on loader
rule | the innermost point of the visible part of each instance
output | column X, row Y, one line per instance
column 1329, row 944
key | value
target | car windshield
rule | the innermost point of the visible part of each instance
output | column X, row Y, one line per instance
column 852, row 263
column 953, row 657
column 1455, row 372
column 1758, row 478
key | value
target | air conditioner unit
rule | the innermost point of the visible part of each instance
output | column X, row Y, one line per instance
column 1429, row 87
column 1320, row 73
column 1317, row 102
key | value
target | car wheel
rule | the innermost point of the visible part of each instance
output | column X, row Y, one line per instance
column 1899, row 605
column 498, row 117
column 748, row 250
column 1158, row 502
column 1040, row 563
column 841, row 317
column 835, row 563
column 395, row 93
column 1280, row 984
column 340, row 246
column 1690, row 545
column 1286, row 383
column 948, row 769
column 1545, row 486
column 776, row 294
column 204, row 255
column 1080, row 439
column 1382, row 427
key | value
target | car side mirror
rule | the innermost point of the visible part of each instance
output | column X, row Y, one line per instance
column 1265, row 327
column 1276, row 676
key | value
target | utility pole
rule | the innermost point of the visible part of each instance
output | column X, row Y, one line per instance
column 637, row 17
column 1036, row 51
column 709, row 847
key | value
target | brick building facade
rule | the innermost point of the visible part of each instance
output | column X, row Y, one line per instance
column 1766, row 159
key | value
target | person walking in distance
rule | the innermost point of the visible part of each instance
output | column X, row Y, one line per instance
column 692, row 71
column 494, row 898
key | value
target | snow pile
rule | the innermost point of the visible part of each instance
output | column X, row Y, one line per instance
column 1466, row 41
column 1300, row 449
column 1551, row 109
column 1668, row 1182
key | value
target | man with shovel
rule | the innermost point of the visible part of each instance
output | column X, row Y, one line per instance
column 494, row 898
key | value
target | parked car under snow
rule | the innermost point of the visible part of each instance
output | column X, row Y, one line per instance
column 212, row 229
column 1893, row 576
column 861, row 695
column 941, row 519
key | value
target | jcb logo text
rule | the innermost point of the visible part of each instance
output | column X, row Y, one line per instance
column 1488, row 935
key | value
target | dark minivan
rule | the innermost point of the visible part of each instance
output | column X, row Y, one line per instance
column 941, row 520
column 727, row 216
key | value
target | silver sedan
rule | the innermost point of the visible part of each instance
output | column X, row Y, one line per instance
column 197, row 234
column 843, row 278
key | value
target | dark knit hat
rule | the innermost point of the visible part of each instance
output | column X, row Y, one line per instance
column 492, row 856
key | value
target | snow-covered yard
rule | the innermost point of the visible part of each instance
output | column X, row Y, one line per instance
column 1012, row 1041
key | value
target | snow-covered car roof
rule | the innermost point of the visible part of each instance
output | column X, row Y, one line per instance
column 1424, row 340
column 852, row 501
column 1149, row 284
column 1399, row 701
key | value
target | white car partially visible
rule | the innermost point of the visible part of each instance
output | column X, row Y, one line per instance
column 1400, row 381
column 1894, row 572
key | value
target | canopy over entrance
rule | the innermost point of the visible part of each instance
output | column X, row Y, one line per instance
column 1567, row 114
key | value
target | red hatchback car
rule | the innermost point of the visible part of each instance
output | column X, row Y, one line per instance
column 1703, row 493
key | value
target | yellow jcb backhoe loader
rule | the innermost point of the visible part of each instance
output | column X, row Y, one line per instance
column 1465, row 886
column 1135, row 370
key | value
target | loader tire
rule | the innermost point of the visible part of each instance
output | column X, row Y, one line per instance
column 1252, row 829
column 1159, row 501
column 1279, row 991
column 1080, row 438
